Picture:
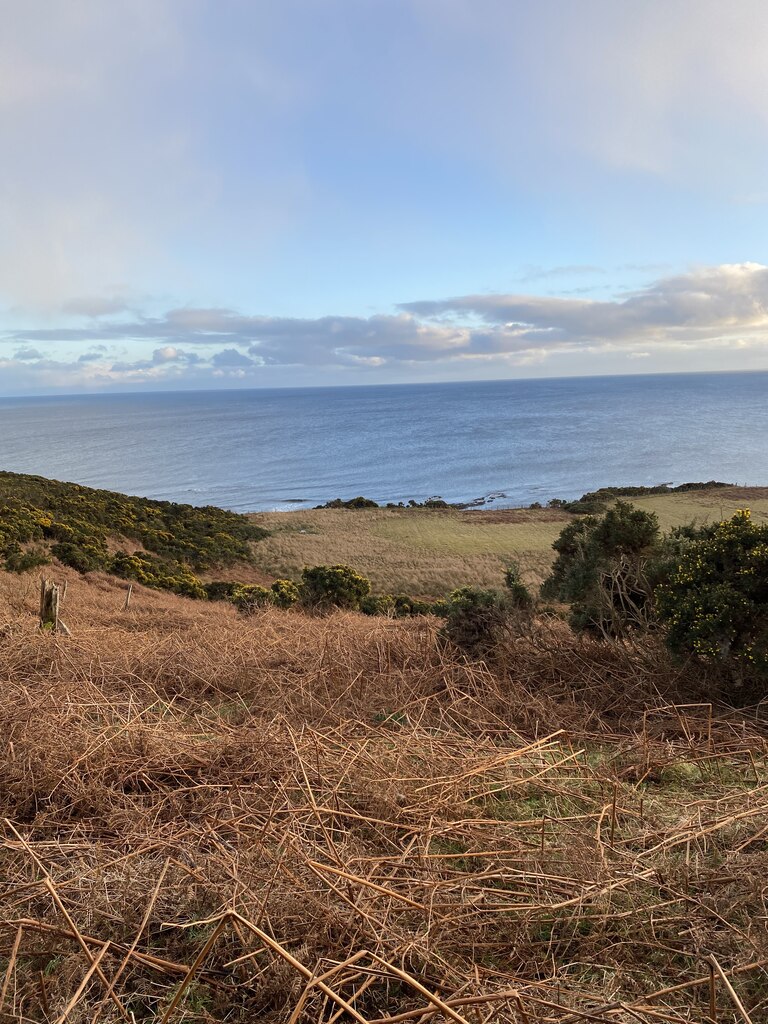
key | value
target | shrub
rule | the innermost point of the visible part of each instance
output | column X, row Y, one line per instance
column 601, row 569
column 221, row 590
column 333, row 586
column 715, row 602
column 249, row 598
column 378, row 604
column 84, row 558
column 358, row 502
column 19, row 560
column 285, row 593
column 176, row 539
column 475, row 619
column 519, row 595
column 151, row 572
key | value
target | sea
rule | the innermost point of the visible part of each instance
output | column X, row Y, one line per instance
column 497, row 443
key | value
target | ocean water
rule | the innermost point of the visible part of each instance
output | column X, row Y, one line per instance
column 513, row 442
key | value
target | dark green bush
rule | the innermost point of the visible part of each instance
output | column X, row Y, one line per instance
column 221, row 590
column 358, row 502
column 406, row 606
column 399, row 606
column 601, row 569
column 596, row 502
column 249, row 598
column 19, row 560
column 519, row 595
column 715, row 601
column 84, row 558
column 332, row 586
column 475, row 619
column 378, row 604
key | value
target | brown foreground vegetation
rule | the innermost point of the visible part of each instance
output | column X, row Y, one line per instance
column 296, row 819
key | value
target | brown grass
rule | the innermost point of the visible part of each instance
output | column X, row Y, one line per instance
column 416, row 551
column 284, row 818
column 428, row 553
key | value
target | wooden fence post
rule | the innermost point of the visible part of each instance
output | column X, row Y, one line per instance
column 128, row 597
column 49, row 609
column 49, row 606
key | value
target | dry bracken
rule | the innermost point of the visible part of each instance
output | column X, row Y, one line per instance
column 299, row 819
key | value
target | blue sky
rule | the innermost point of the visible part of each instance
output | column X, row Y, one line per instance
column 243, row 193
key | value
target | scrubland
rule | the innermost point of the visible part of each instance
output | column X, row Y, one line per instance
column 287, row 818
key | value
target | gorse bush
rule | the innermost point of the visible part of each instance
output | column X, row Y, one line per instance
column 250, row 597
column 155, row 574
column 520, row 596
column 475, row 619
column 715, row 601
column 601, row 569
column 285, row 593
column 332, row 586
column 706, row 587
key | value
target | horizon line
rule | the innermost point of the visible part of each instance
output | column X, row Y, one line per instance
column 373, row 384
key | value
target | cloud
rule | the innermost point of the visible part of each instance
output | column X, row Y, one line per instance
column 706, row 306
column 95, row 306
column 28, row 355
column 720, row 309
column 568, row 270
column 167, row 354
column 230, row 357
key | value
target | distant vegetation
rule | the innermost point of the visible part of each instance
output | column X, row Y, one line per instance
column 361, row 502
column 594, row 502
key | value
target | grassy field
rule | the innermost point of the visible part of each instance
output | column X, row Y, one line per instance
column 430, row 552
column 284, row 818
column 423, row 552
column 705, row 506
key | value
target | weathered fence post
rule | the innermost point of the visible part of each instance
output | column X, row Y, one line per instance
column 128, row 597
column 49, row 606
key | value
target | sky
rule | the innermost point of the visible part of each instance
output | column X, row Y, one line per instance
column 243, row 193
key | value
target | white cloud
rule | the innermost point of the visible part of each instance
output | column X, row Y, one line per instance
column 707, row 306
column 719, row 310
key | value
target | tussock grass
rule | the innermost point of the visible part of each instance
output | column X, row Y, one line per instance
column 417, row 551
column 705, row 506
column 287, row 818
column 428, row 552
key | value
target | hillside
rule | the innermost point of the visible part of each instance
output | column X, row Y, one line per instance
column 290, row 818
column 159, row 543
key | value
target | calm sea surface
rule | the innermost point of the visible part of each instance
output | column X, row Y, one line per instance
column 521, row 441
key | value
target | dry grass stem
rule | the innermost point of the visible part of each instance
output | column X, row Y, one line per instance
column 305, row 820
